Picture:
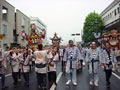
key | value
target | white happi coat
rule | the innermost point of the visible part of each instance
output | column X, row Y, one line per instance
column 89, row 56
column 76, row 56
column 3, row 62
column 6, row 56
column 41, row 58
column 52, row 62
column 61, row 52
column 106, row 59
column 26, row 64
column 82, row 51
column 15, row 63
column 20, row 58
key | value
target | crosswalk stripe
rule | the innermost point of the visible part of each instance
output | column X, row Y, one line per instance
column 8, row 75
column 58, row 78
column 116, row 75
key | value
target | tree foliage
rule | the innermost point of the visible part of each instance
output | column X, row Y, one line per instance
column 93, row 23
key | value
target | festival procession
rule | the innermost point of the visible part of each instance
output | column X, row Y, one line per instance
column 38, row 56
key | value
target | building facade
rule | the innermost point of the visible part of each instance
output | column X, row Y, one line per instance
column 7, row 17
column 111, row 16
column 38, row 23
column 39, row 27
column 22, row 24
column 12, row 24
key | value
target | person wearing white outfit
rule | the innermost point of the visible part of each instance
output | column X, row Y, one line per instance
column 71, row 56
column 93, row 60
column 41, row 61
column 25, row 66
column 53, row 58
column 3, row 67
column 109, row 59
column 61, row 55
column 14, row 63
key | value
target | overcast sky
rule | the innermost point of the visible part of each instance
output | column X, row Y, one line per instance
column 61, row 16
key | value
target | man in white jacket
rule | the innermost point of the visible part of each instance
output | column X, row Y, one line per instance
column 93, row 59
column 41, row 61
column 3, row 66
column 108, row 59
column 53, row 58
column 14, row 64
column 71, row 57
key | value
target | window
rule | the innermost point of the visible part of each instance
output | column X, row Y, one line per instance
column 118, row 10
column 4, row 13
column 115, row 12
column 106, row 18
column 103, row 19
column 23, row 22
column 110, row 15
column 4, row 29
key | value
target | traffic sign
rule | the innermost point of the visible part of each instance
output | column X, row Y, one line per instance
column 73, row 34
column 77, row 34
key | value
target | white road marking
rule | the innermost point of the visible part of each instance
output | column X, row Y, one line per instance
column 8, row 75
column 116, row 75
column 58, row 78
column 53, row 87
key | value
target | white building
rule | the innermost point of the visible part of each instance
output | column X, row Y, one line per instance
column 39, row 26
column 12, row 24
column 111, row 16
column 7, row 24
column 22, row 25
column 38, row 23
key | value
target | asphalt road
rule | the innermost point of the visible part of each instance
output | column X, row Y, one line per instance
column 82, row 79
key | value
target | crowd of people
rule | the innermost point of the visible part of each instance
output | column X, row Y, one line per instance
column 21, row 61
column 44, row 59
column 76, row 57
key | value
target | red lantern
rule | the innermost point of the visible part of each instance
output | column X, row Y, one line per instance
column 43, row 33
column 23, row 35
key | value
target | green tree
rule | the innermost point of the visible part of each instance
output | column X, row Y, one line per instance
column 93, row 24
